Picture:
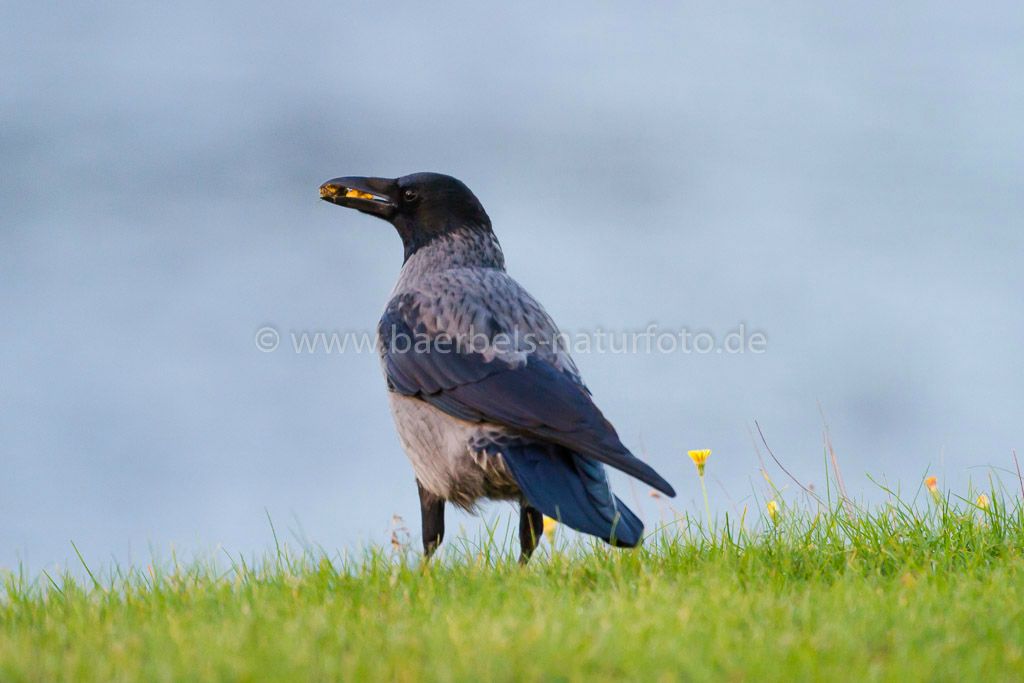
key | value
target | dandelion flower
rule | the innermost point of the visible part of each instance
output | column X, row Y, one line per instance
column 773, row 511
column 699, row 458
column 983, row 502
column 549, row 528
column 932, row 483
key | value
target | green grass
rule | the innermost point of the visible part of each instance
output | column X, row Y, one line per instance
column 931, row 592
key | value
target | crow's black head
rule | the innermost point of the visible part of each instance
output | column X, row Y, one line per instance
column 421, row 206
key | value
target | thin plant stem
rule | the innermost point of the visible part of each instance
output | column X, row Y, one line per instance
column 707, row 508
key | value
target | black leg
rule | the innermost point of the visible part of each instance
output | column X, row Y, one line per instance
column 432, row 514
column 531, row 526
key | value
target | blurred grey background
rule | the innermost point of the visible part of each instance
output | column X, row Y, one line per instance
column 847, row 180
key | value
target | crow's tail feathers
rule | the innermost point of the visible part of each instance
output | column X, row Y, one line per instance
column 573, row 490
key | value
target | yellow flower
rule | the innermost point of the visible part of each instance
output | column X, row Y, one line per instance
column 773, row 511
column 549, row 529
column 932, row 483
column 983, row 502
column 699, row 458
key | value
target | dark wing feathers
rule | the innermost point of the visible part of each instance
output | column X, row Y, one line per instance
column 534, row 397
column 573, row 490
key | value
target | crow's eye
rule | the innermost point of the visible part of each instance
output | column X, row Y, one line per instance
column 410, row 195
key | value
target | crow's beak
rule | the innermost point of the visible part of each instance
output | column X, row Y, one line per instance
column 375, row 196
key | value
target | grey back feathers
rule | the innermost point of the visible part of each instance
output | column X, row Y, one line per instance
column 503, row 362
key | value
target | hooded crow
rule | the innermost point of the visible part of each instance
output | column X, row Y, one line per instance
column 486, row 399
